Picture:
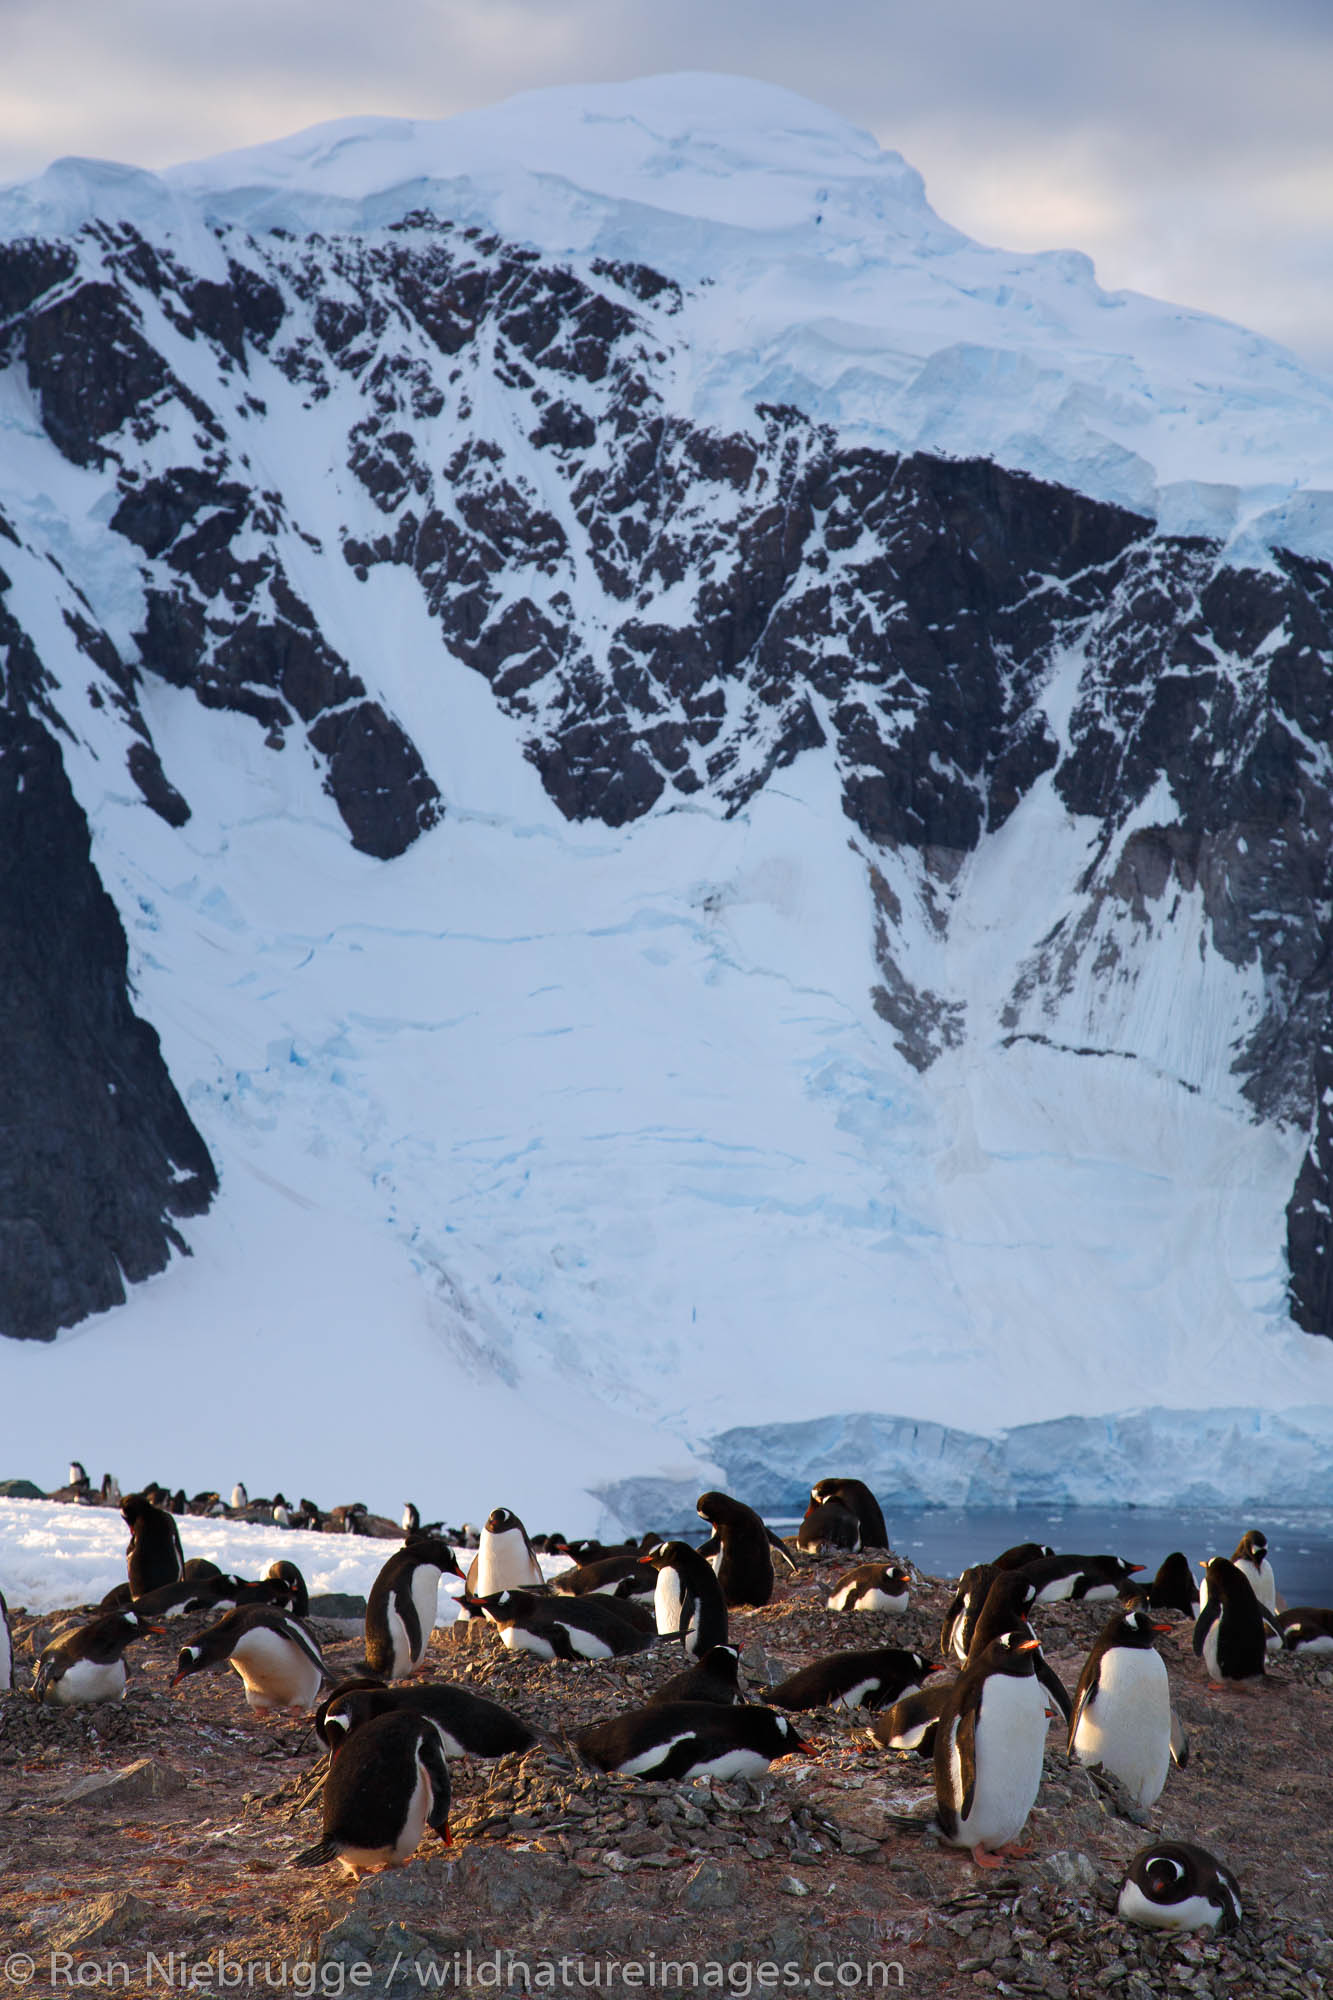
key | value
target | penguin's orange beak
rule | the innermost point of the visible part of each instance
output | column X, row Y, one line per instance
column 1134, row 1568
column 1161, row 1628
column 935, row 1667
column 1027, row 1645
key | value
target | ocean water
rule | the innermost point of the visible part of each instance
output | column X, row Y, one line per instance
column 945, row 1541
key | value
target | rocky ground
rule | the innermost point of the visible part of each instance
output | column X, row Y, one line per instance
column 149, row 1845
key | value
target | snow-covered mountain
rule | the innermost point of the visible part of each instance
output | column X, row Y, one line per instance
column 677, row 822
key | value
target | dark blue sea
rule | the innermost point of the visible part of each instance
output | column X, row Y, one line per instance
column 945, row 1541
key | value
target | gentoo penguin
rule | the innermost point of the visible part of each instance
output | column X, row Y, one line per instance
column 505, row 1558
column 871, row 1587
column 742, row 1545
column 276, row 1657
column 387, row 1783
column 1085, row 1579
column 1305, row 1629
column 564, row 1628
column 828, row 1524
column 1006, row 1604
column 1172, row 1886
column 912, row 1721
column 689, row 1739
column 688, row 1599
column 856, row 1495
column 988, row 1747
column 469, row 1724
column 854, row 1680
column 965, row 1608
column 240, row 1499
column 199, row 1567
column 154, row 1555
column 6, row 1648
column 1251, row 1559
column 1230, row 1632
column 611, row 1576
column 1173, row 1588
column 1021, row 1554
column 289, row 1579
column 401, row 1607
column 173, row 1600
column 716, row 1677
column 1122, row 1707
column 88, row 1665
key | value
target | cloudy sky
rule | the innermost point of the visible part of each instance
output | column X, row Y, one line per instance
column 1186, row 145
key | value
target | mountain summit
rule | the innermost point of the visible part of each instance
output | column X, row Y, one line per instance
column 654, row 804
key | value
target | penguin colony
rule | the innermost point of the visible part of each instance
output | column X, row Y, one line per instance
column 980, row 1714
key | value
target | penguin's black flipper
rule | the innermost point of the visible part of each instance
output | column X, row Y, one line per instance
column 712, row 1547
column 966, row 1743
column 1055, row 1688
column 951, row 1617
column 1203, row 1623
column 689, row 1604
column 1180, row 1743
column 781, row 1547
column 1086, row 1693
column 318, row 1856
column 436, row 1766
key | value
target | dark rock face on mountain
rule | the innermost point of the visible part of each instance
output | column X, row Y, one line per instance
column 99, row 1151
column 667, row 611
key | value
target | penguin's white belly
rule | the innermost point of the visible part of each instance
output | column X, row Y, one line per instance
column 854, row 1696
column 649, row 1760
column 88, row 1681
column 276, row 1672
column 401, row 1663
column 367, row 1860
column 1196, row 1913
column 1100, row 1593
column 1127, row 1727
column 586, row 1644
column 736, row 1763
column 1320, row 1642
column 1057, row 1592
column 520, row 1641
column 503, row 1563
column 1010, row 1738
column 426, row 1600
column 1262, row 1582
column 666, row 1601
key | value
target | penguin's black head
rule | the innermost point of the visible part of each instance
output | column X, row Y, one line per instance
column 1018, row 1644
column 189, row 1662
column 1253, row 1547
column 792, row 1741
column 500, row 1521
column 1162, row 1877
column 1138, row 1628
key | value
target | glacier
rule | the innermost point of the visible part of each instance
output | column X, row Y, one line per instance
column 574, row 1168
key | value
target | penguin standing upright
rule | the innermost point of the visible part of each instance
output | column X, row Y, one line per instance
column 688, row 1599
column 1122, row 1707
column 1173, row 1588
column 1176, row 1887
column 505, row 1558
column 154, row 1555
column 856, row 1495
column 276, row 1658
column 742, row 1544
column 1230, row 1635
column 964, row 1609
column 1005, row 1605
column 1251, row 1559
column 828, row 1524
column 401, row 1607
column 88, row 1664
column 988, row 1747
column 388, row 1781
